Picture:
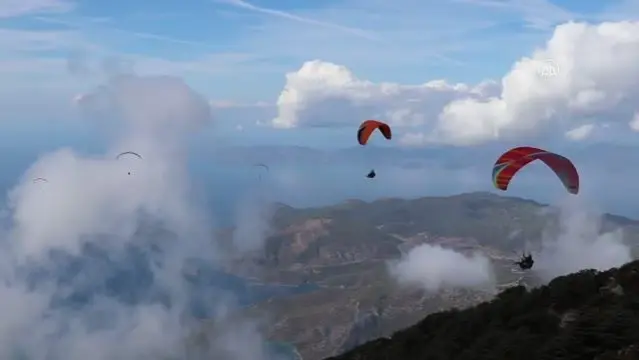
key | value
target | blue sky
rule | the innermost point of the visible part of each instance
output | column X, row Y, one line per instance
column 240, row 51
column 374, row 57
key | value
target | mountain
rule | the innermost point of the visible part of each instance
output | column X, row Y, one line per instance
column 587, row 315
column 344, row 249
column 322, row 277
column 356, row 231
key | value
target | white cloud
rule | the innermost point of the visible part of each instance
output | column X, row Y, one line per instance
column 253, row 216
column 326, row 94
column 581, row 132
column 597, row 65
column 93, row 201
column 433, row 267
column 578, row 243
column 596, row 85
column 181, row 112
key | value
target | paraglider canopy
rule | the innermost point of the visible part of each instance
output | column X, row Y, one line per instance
column 367, row 128
column 510, row 162
column 526, row 262
column 263, row 166
column 40, row 180
column 130, row 153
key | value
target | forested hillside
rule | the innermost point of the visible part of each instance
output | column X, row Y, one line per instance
column 587, row 315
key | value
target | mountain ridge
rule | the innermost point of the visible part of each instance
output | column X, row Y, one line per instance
column 345, row 249
column 585, row 315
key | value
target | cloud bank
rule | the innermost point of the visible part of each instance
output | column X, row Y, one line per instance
column 592, row 88
column 577, row 242
column 94, row 259
column 433, row 268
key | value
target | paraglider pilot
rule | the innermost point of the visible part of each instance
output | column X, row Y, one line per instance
column 526, row 262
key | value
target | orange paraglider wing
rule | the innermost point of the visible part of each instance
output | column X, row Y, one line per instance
column 510, row 162
column 367, row 128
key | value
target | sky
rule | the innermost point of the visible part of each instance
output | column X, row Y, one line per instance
column 243, row 56
column 480, row 75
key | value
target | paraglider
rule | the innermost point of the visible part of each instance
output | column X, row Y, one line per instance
column 40, row 180
column 526, row 262
column 365, row 131
column 128, row 153
column 262, row 166
column 514, row 159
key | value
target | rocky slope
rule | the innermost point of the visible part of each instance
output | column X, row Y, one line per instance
column 588, row 315
column 345, row 248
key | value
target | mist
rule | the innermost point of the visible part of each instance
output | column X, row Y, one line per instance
column 253, row 217
column 94, row 261
column 433, row 268
column 576, row 242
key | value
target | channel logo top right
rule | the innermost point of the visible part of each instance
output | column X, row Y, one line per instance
column 547, row 69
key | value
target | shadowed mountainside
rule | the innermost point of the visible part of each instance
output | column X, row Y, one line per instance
column 587, row 315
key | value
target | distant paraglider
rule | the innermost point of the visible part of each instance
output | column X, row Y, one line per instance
column 512, row 160
column 40, row 180
column 120, row 155
column 264, row 166
column 365, row 131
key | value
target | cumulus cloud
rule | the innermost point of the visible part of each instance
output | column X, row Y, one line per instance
column 578, row 243
column 433, row 267
column 580, row 133
column 92, row 260
column 594, row 67
column 325, row 94
column 583, row 86
column 182, row 110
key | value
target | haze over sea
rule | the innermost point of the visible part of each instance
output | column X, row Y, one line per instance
column 319, row 176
